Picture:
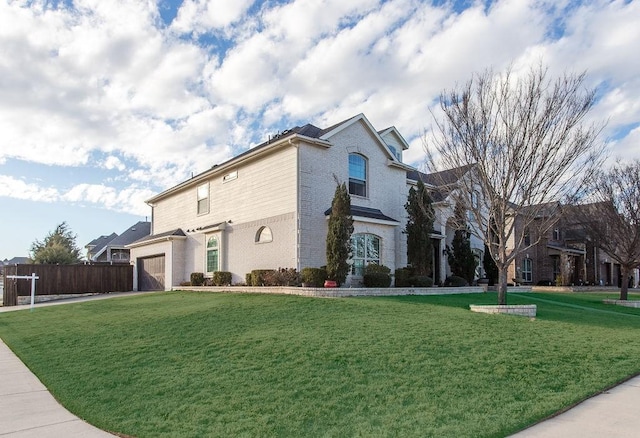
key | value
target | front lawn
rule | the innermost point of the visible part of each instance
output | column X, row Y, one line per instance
column 202, row 364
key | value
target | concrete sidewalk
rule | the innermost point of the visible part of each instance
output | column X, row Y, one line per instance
column 613, row 414
column 27, row 409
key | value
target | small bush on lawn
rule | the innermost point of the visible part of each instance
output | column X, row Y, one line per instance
column 455, row 281
column 403, row 276
column 376, row 276
column 421, row 281
column 314, row 277
column 221, row 278
column 197, row 279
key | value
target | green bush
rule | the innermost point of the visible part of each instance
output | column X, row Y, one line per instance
column 314, row 277
column 376, row 279
column 259, row 277
column 197, row 279
column 403, row 276
column 248, row 279
column 455, row 281
column 376, row 276
column 374, row 268
column 421, row 281
column 221, row 278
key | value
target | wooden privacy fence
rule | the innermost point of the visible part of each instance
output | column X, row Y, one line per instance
column 66, row 280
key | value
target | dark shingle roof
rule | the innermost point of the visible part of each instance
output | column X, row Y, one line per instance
column 131, row 234
column 371, row 213
column 100, row 243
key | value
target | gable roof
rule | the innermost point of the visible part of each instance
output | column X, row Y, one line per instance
column 131, row 234
column 308, row 133
column 441, row 183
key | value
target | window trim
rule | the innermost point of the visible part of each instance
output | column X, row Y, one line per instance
column 365, row 259
column 527, row 274
column 200, row 198
column 361, row 182
column 208, row 239
column 266, row 232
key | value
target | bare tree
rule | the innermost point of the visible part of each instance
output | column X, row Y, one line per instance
column 522, row 143
column 612, row 220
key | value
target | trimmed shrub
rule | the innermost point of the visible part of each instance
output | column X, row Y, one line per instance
column 376, row 279
column 544, row 283
column 248, row 279
column 455, row 281
column 221, row 278
column 421, row 281
column 282, row 277
column 185, row 283
column 259, row 277
column 402, row 277
column 376, row 276
column 314, row 277
column 197, row 279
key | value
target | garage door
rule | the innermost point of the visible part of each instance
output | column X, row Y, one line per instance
column 151, row 273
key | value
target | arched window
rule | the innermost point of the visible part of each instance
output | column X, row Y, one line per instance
column 365, row 249
column 264, row 235
column 213, row 259
column 357, row 175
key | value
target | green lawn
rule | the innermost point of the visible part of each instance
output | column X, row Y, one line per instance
column 197, row 364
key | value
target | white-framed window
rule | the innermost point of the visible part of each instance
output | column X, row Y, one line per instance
column 527, row 270
column 357, row 175
column 203, row 198
column 556, row 234
column 264, row 235
column 213, row 254
column 365, row 249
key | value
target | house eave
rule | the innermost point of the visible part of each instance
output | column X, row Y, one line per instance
column 155, row 240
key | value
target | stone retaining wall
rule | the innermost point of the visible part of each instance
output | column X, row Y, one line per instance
column 45, row 298
column 623, row 303
column 528, row 310
column 336, row 292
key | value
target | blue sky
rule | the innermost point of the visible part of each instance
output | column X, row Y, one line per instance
column 106, row 103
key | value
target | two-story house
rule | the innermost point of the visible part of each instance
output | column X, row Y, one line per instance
column 268, row 207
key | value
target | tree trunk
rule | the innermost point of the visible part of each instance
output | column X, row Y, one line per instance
column 624, row 283
column 502, row 285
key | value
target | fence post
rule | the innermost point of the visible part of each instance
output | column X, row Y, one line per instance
column 33, row 289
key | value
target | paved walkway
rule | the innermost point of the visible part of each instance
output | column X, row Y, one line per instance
column 27, row 409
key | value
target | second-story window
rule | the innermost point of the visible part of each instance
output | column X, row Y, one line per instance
column 203, row 198
column 357, row 175
column 556, row 234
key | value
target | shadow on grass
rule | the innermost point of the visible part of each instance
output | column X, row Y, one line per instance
column 574, row 308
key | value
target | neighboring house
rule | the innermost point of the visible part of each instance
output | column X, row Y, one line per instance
column 14, row 261
column 564, row 255
column 268, row 207
column 113, row 248
column 97, row 246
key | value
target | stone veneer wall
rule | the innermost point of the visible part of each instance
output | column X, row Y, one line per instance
column 335, row 292
column 519, row 310
column 623, row 303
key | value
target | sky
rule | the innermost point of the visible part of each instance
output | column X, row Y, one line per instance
column 105, row 103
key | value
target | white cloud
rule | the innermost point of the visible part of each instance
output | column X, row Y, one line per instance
column 201, row 16
column 16, row 188
column 105, row 78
